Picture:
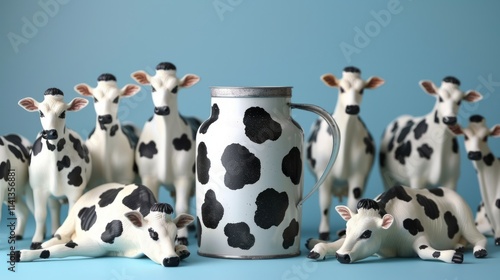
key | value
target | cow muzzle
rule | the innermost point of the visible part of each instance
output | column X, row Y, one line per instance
column 450, row 120
column 474, row 155
column 162, row 111
column 105, row 119
column 50, row 134
column 343, row 258
column 169, row 262
column 352, row 109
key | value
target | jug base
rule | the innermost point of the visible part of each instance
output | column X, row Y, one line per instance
column 249, row 257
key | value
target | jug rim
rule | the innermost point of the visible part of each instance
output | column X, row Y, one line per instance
column 252, row 91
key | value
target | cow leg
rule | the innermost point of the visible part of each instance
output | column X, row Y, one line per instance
column 356, row 190
column 482, row 223
column 417, row 182
column 183, row 190
column 79, row 247
column 55, row 214
column 41, row 199
column 426, row 252
column 182, row 251
column 325, row 202
column 22, row 213
column 323, row 249
column 153, row 184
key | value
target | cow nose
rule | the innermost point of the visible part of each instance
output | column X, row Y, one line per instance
column 50, row 134
column 474, row 155
column 343, row 258
column 169, row 262
column 450, row 120
column 352, row 109
column 105, row 119
column 162, row 111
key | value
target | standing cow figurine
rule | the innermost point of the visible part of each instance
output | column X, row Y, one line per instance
column 357, row 149
column 14, row 162
column 60, row 162
column 111, row 145
column 421, row 152
column 405, row 222
column 117, row 220
column 165, row 154
column 487, row 168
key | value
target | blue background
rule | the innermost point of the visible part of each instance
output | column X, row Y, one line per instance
column 253, row 43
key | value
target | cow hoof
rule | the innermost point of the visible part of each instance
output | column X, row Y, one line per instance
column 460, row 249
column 36, row 245
column 480, row 253
column 184, row 254
column 325, row 236
column 458, row 258
column 313, row 255
column 182, row 241
column 17, row 256
column 169, row 262
column 308, row 244
column 497, row 241
column 19, row 237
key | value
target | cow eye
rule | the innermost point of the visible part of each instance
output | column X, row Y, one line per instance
column 153, row 89
column 459, row 102
column 361, row 91
column 41, row 114
column 485, row 138
column 95, row 99
column 366, row 234
column 62, row 115
column 466, row 137
column 440, row 99
column 116, row 100
column 153, row 234
column 174, row 90
column 342, row 90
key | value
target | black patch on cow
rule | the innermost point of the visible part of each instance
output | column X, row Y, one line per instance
column 370, row 146
column 17, row 141
column 311, row 160
column 71, row 245
column 61, row 144
column 259, row 126
column 404, row 131
column 5, row 170
column 193, row 123
column 153, row 234
column 162, row 208
column 199, row 231
column 1, row 142
column 18, row 154
column 107, row 197
column 203, row 163
column 413, row 226
column 476, row 118
column 212, row 210
column 271, row 208
column 113, row 230
column 394, row 127
column 45, row 254
column 75, row 176
column 165, row 66
column 357, row 191
column 398, row 192
column 420, row 129
column 368, row 204
column 382, row 159
column 88, row 217
column 50, row 146
column 436, row 254
column 452, row 223
column 291, row 165
column 454, row 145
column 423, row 247
column 106, row 77
column 113, row 130
column 452, row 80
column 239, row 236
column 290, row 233
column 81, row 149
column 182, row 143
column 497, row 203
column 489, row 159
column 147, row 150
column 403, row 151
column 37, row 146
column 437, row 192
column 129, row 131
column 436, row 117
column 242, row 166
column 141, row 198
column 213, row 117
column 65, row 162
column 430, row 207
column 425, row 151
column 314, row 133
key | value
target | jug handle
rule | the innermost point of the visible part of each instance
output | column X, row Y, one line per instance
column 335, row 140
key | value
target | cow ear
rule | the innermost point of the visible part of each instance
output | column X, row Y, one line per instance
column 472, row 96
column 330, row 80
column 189, row 80
column 344, row 212
column 130, row 90
column 495, row 130
column 387, row 221
column 135, row 218
column 77, row 104
column 84, row 89
column 183, row 220
column 29, row 104
column 429, row 87
column 141, row 77
column 456, row 129
column 374, row 82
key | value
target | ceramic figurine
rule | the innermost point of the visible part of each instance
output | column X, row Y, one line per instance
column 111, row 144
column 421, row 152
column 15, row 191
column 60, row 162
column 165, row 152
column 357, row 149
column 433, row 224
column 249, row 173
column 116, row 220
column 487, row 168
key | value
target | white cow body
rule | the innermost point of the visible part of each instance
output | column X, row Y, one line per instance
column 117, row 220
column 356, row 152
column 421, row 152
column 111, row 145
column 60, row 162
column 406, row 222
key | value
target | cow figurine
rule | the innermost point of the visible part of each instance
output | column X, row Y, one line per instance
column 14, row 162
column 60, row 162
column 116, row 220
column 165, row 154
column 357, row 149
column 487, row 169
column 433, row 224
column 421, row 152
column 111, row 145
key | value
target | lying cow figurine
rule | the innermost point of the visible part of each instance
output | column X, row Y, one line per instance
column 117, row 220
column 433, row 224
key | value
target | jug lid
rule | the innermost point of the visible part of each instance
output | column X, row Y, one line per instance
column 263, row 91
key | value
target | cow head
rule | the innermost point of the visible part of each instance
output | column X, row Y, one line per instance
column 52, row 111
column 449, row 98
column 351, row 88
column 476, row 136
column 164, row 86
column 159, row 231
column 364, row 231
column 106, row 97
